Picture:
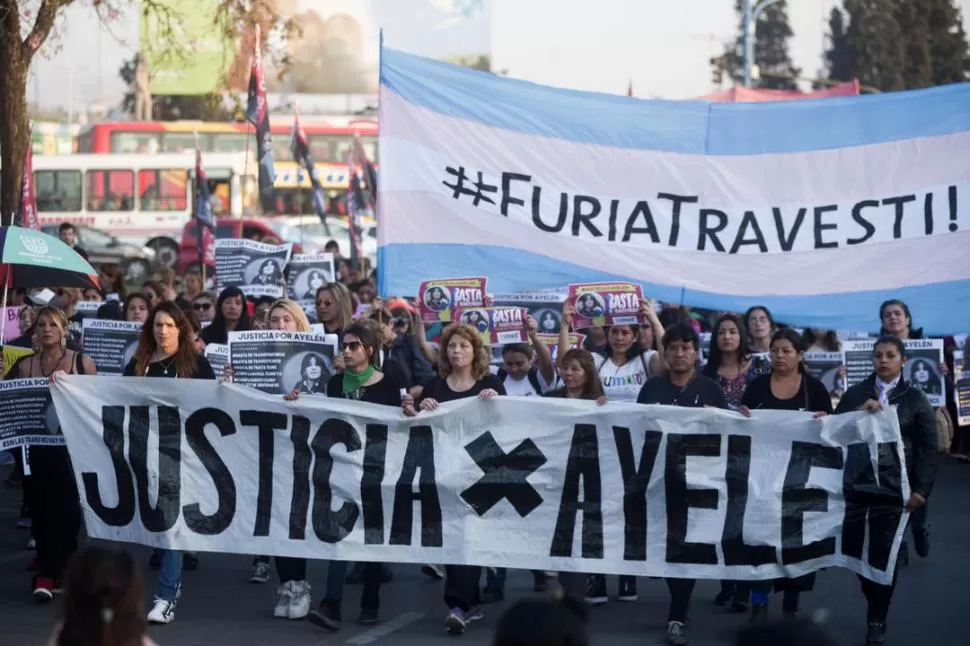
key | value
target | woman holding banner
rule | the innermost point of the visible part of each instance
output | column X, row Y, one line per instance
column 54, row 506
column 167, row 349
column 463, row 371
column 361, row 380
column 884, row 388
column 787, row 387
column 231, row 316
column 623, row 368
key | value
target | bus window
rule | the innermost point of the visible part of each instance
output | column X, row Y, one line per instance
column 178, row 142
column 322, row 147
column 234, row 143
column 58, row 190
column 294, row 201
column 163, row 190
column 111, row 190
column 135, row 142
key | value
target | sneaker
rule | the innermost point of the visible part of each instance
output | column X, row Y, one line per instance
column 299, row 606
column 162, row 612
column 676, row 633
column 327, row 615
column 455, row 623
column 260, row 573
column 921, row 543
column 492, row 595
column 367, row 617
column 628, row 589
column 876, row 634
column 596, row 590
column 474, row 614
column 283, row 595
column 43, row 588
column 433, row 572
column 58, row 587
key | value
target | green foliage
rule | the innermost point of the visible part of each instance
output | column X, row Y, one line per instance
column 771, row 38
column 206, row 107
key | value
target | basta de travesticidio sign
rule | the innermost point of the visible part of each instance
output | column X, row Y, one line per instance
column 623, row 488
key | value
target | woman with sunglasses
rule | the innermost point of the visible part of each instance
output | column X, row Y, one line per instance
column 203, row 306
column 361, row 380
column 883, row 389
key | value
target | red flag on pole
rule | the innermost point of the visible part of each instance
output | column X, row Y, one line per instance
column 27, row 211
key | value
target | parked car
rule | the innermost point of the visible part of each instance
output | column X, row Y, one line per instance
column 313, row 235
column 103, row 248
column 252, row 228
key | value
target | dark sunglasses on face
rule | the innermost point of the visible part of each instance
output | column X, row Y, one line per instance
column 324, row 303
column 202, row 307
column 353, row 346
column 399, row 321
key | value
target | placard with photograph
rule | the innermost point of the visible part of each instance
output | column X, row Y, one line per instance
column 110, row 344
column 442, row 298
column 921, row 369
column 279, row 362
column 253, row 267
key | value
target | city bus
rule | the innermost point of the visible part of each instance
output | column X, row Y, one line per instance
column 330, row 142
column 140, row 199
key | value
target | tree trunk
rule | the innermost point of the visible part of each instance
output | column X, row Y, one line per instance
column 14, row 123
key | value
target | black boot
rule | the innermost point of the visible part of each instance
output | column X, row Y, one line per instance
column 876, row 634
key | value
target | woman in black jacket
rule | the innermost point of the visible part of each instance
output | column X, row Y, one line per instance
column 917, row 425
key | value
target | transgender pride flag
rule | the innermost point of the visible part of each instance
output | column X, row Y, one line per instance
column 818, row 209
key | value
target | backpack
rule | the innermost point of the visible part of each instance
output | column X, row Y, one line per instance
column 944, row 430
column 532, row 375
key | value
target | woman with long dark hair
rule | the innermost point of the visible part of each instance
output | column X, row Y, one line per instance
column 822, row 340
column 103, row 603
column 463, row 371
column 885, row 388
column 787, row 387
column 231, row 316
column 167, row 349
column 54, row 504
column 136, row 307
column 733, row 367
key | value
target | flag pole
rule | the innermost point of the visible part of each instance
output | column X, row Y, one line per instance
column 299, row 185
column 198, row 225
column 246, row 159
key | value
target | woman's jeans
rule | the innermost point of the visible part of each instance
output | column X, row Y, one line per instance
column 170, row 576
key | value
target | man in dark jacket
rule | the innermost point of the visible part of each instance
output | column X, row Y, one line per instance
column 884, row 388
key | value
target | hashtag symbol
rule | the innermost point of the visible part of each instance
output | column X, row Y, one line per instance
column 459, row 188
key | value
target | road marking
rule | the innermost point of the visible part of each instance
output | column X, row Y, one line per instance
column 386, row 628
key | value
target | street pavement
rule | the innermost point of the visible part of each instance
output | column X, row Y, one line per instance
column 219, row 606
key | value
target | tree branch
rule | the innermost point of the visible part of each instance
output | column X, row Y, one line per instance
column 46, row 16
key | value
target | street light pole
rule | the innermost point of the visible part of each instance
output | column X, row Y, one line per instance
column 749, row 19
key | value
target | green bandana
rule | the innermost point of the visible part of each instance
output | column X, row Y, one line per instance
column 354, row 380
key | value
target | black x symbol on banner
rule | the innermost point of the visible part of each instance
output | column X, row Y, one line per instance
column 504, row 475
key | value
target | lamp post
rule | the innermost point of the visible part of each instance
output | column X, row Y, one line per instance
column 749, row 19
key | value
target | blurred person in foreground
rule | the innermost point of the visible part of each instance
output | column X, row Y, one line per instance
column 783, row 633
column 542, row 622
column 103, row 604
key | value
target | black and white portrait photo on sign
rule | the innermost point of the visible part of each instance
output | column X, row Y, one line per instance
column 255, row 268
column 544, row 307
column 827, row 368
column 921, row 370
column 279, row 362
column 309, row 272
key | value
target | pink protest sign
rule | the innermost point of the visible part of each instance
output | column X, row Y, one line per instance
column 497, row 325
column 11, row 323
column 604, row 304
column 441, row 299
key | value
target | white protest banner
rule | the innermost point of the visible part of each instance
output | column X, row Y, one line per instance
column 278, row 362
column 921, row 370
column 539, row 187
column 253, row 267
column 514, row 482
column 110, row 344
column 26, row 414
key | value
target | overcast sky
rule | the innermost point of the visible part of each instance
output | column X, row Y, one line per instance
column 663, row 47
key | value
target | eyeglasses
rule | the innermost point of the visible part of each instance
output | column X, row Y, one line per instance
column 353, row 346
column 324, row 303
column 399, row 321
column 202, row 307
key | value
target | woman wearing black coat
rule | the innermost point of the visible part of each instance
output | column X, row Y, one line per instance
column 886, row 387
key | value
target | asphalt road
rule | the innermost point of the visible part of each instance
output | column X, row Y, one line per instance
column 219, row 606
